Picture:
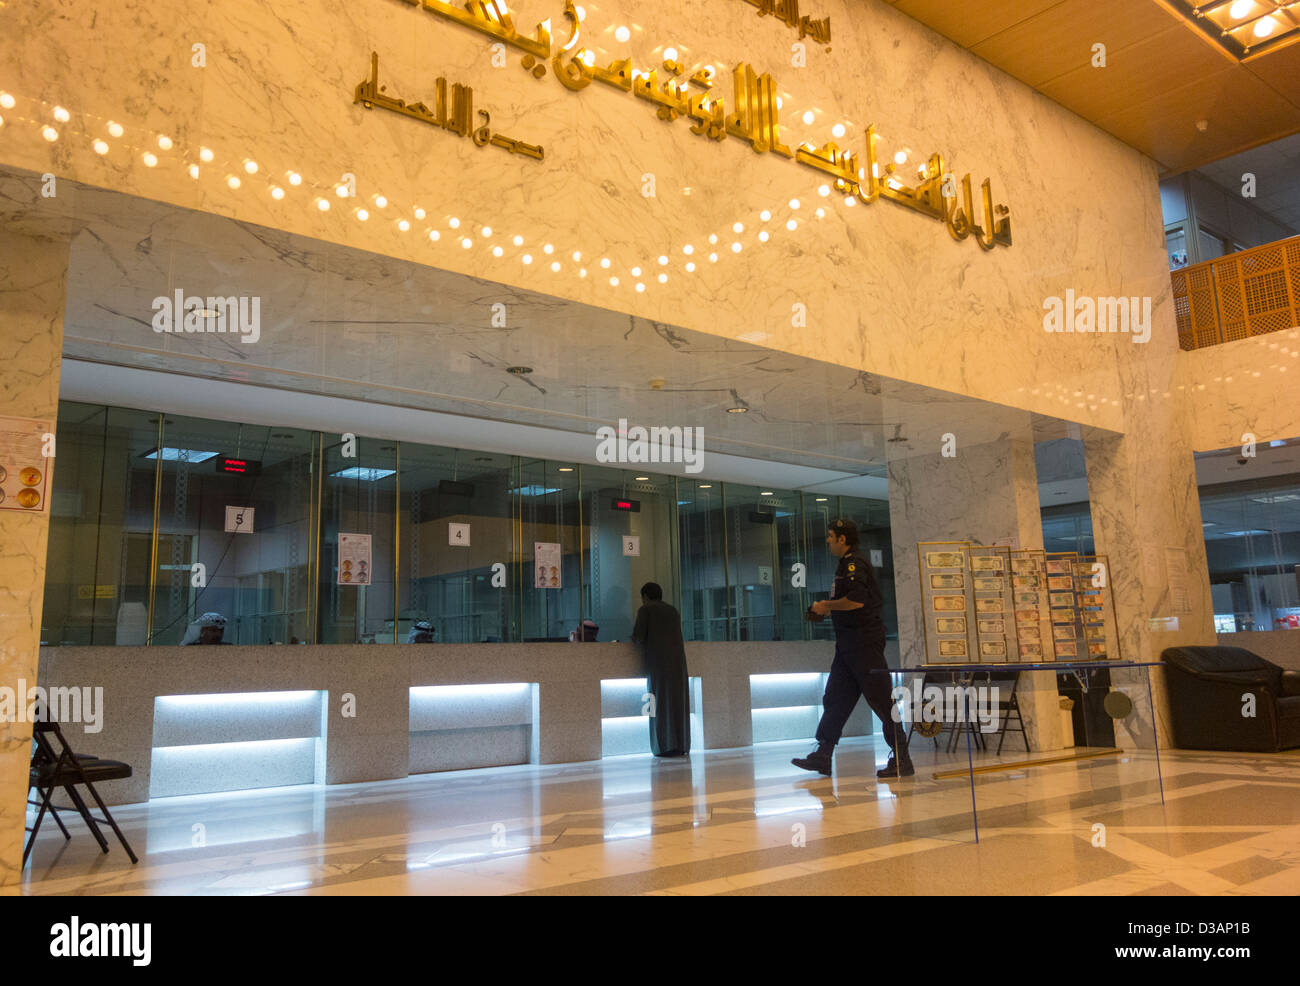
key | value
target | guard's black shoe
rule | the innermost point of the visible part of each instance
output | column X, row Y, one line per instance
column 817, row 760
column 893, row 769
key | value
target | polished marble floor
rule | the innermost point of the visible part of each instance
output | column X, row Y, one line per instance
column 723, row 822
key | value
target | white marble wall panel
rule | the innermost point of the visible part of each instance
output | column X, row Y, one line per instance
column 885, row 289
column 985, row 491
column 1251, row 386
column 1146, row 516
column 32, row 287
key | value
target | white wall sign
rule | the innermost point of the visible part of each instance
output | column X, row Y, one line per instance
column 764, row 574
column 877, row 557
column 354, row 559
column 458, row 535
column 239, row 520
column 631, row 546
column 24, row 466
column 546, row 566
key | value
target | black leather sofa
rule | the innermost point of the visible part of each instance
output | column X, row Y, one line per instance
column 1207, row 688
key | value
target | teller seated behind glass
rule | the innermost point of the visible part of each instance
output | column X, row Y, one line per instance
column 421, row 633
column 207, row 629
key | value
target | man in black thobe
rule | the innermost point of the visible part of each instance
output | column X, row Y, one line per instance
column 859, row 667
column 659, row 632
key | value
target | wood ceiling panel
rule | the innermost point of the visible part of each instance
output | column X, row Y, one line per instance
column 1165, row 61
column 1162, row 75
column 1242, row 112
column 968, row 22
column 1058, row 41
column 1281, row 70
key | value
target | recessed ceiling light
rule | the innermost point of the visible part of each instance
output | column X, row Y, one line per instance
column 519, row 371
column 641, row 479
column 737, row 410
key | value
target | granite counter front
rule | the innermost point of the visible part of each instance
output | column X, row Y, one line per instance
column 197, row 719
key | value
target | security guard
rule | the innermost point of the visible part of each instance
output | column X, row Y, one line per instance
column 859, row 665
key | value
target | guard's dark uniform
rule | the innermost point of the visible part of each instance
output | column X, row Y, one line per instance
column 859, row 648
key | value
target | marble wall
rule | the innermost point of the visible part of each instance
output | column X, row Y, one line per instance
column 1146, row 516
column 32, row 289
column 984, row 493
column 1247, row 386
column 876, row 287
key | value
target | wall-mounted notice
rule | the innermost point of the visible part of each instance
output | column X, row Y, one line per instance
column 458, row 535
column 24, row 466
column 354, row 559
column 631, row 545
column 239, row 520
column 546, row 565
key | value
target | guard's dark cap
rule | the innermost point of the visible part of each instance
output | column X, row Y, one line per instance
column 846, row 528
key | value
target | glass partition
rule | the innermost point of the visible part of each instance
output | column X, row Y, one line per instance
column 701, row 534
column 232, row 530
column 359, row 491
column 457, row 545
column 753, row 558
column 550, row 542
column 156, row 521
column 629, row 518
column 1252, row 546
column 101, row 527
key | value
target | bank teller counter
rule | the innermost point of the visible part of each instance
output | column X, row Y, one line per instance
column 194, row 720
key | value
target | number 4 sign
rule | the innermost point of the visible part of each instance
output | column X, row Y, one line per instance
column 458, row 535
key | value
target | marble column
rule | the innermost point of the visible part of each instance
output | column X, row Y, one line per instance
column 33, row 277
column 1146, row 516
column 986, row 491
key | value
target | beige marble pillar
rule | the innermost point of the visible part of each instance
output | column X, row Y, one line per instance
column 33, row 276
column 1146, row 516
column 986, row 491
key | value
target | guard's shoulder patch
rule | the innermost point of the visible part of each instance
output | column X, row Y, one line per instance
column 853, row 568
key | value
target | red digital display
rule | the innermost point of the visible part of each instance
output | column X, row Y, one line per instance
column 632, row 505
column 238, row 467
column 623, row 504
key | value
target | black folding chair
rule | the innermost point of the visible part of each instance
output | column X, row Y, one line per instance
column 1009, row 707
column 65, row 769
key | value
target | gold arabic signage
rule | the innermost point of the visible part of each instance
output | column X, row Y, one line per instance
column 455, row 115
column 753, row 117
column 788, row 11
